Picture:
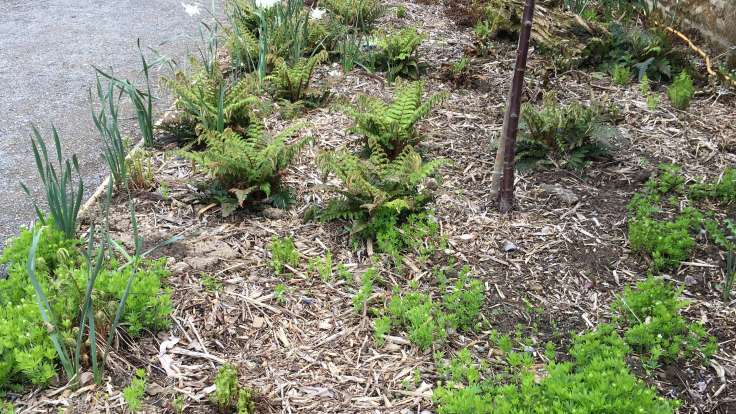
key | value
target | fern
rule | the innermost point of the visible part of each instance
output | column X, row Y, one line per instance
column 393, row 126
column 209, row 103
column 681, row 91
column 574, row 133
column 398, row 54
column 291, row 82
column 359, row 14
column 375, row 187
column 249, row 167
column 241, row 36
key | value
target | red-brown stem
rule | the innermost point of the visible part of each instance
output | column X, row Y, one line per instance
column 511, row 119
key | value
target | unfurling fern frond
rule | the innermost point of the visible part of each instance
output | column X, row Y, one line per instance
column 393, row 126
column 209, row 103
column 291, row 82
column 376, row 187
column 248, row 166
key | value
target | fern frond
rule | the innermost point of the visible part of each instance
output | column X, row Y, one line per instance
column 392, row 125
column 376, row 184
column 249, row 166
column 292, row 82
column 210, row 103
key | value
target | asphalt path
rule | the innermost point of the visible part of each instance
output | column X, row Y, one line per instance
column 47, row 50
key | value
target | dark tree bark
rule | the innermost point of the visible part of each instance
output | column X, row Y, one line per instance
column 503, row 173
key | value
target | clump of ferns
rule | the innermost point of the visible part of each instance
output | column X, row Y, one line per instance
column 393, row 125
column 571, row 135
column 291, row 82
column 247, row 168
column 208, row 102
column 398, row 54
column 375, row 190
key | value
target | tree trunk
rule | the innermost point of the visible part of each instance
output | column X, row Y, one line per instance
column 504, row 167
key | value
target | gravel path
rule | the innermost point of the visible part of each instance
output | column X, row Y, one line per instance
column 47, row 48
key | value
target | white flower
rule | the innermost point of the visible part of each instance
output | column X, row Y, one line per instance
column 191, row 9
column 266, row 4
column 317, row 14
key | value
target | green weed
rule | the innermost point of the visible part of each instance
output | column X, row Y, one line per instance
column 723, row 190
column 133, row 393
column 621, row 74
column 681, row 91
column 322, row 266
column 596, row 380
column 211, row 284
column 283, row 253
column 381, row 327
column 426, row 321
column 420, row 316
column 360, row 300
column 279, row 293
column 669, row 238
column 343, row 273
column 464, row 302
column 401, row 12
column 178, row 404
column 229, row 396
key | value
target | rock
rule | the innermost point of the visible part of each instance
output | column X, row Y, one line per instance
column 565, row 195
column 179, row 267
column 155, row 389
column 690, row 281
column 274, row 213
column 86, row 378
column 214, row 248
column 202, row 262
column 509, row 247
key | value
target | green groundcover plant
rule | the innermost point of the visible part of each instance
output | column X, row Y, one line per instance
column 655, row 326
column 426, row 320
column 595, row 380
column 666, row 233
column 27, row 354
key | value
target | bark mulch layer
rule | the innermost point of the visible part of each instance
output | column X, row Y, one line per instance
column 311, row 352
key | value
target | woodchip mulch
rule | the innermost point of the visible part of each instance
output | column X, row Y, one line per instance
column 312, row 353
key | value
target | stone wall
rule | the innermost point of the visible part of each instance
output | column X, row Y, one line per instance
column 715, row 19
